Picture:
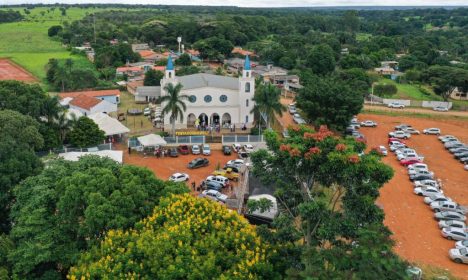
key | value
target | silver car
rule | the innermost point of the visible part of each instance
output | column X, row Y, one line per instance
column 453, row 224
column 452, row 233
column 436, row 197
column 426, row 191
column 448, row 206
column 440, row 109
column 459, row 255
column 399, row 134
column 432, row 130
column 411, row 130
column 428, row 182
column 461, row 244
column 449, row 215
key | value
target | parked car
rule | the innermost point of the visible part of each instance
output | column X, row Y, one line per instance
column 402, row 126
column 460, row 155
column 391, row 139
column 228, row 173
column 426, row 191
column 432, row 130
column 459, row 149
column 436, row 198
column 184, row 150
column 429, row 182
column 234, row 168
column 451, row 223
column 236, row 147
column 461, row 244
column 464, row 160
column 417, row 166
column 445, row 137
column 215, row 195
column 206, row 150
column 399, row 134
column 220, row 179
column 236, row 162
column 368, row 124
column 408, row 161
column 396, row 146
column 226, row 150
column 411, row 130
column 396, row 105
column 196, row 150
column 459, row 255
column 179, row 177
column 421, row 177
column 440, row 109
column 466, row 166
column 453, row 144
column 382, row 150
column 449, row 139
column 173, row 152
column 448, row 215
column 198, row 162
column 285, row 133
column 416, row 172
column 299, row 120
column 243, row 155
column 292, row 110
column 448, row 206
column 212, row 185
column 453, row 233
column 248, row 148
column 147, row 112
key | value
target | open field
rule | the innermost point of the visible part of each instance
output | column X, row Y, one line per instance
column 11, row 71
column 409, row 91
column 418, row 238
column 27, row 43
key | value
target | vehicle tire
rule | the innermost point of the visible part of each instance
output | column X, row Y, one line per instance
column 457, row 260
column 420, row 194
column 449, row 238
column 436, row 210
column 425, row 133
column 405, row 138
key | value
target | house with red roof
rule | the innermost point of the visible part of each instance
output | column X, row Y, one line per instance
column 90, row 105
column 110, row 95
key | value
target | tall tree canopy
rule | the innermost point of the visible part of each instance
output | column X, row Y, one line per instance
column 153, row 78
column 328, row 194
column 184, row 238
column 321, row 59
column 330, row 101
column 69, row 207
column 85, row 133
column 19, row 137
column 446, row 79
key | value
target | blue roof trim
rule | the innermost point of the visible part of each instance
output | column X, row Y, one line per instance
column 170, row 65
column 247, row 63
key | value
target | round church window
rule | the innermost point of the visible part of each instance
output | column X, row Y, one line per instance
column 192, row 98
column 207, row 98
column 223, row 98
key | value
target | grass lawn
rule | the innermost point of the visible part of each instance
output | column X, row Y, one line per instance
column 363, row 37
column 27, row 43
column 409, row 91
column 138, row 125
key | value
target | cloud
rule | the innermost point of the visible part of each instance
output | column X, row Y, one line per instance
column 255, row 3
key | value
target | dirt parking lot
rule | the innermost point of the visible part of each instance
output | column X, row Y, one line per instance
column 163, row 168
column 418, row 238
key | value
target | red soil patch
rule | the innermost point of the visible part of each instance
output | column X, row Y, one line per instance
column 416, row 233
column 12, row 71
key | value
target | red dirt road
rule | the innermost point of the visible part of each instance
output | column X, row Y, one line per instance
column 12, row 71
column 417, row 236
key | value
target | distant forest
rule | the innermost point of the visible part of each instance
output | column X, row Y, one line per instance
column 10, row 16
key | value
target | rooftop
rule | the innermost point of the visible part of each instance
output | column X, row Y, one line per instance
column 85, row 102
column 90, row 93
column 208, row 80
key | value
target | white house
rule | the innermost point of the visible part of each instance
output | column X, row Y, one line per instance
column 213, row 99
column 110, row 95
column 91, row 105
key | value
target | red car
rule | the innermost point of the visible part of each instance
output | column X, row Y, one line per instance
column 408, row 161
column 390, row 139
column 184, row 150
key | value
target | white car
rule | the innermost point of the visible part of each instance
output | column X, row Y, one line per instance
column 396, row 146
column 459, row 255
column 445, row 136
column 461, row 244
column 452, row 223
column 396, row 105
column 417, row 166
column 428, row 182
column 220, row 179
column 436, row 197
column 179, row 177
column 215, row 195
column 449, row 139
column 452, row 233
column 383, row 150
column 427, row 191
column 248, row 148
column 236, row 147
column 411, row 130
column 420, row 171
column 466, row 166
column 147, row 112
column 399, row 134
column 206, row 150
column 369, row 124
column 432, row 130
column 196, row 150
column 440, row 109
column 236, row 162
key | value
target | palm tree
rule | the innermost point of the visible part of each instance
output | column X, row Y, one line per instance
column 175, row 105
column 267, row 103
column 51, row 109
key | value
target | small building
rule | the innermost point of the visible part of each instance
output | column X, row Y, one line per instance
column 110, row 95
column 284, row 79
column 147, row 93
column 389, row 64
column 75, row 156
column 459, row 95
column 91, row 105
column 130, row 71
column 344, row 51
column 112, row 128
column 140, row 47
column 385, row 70
column 132, row 86
column 150, row 56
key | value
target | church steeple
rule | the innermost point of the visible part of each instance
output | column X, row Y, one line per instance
column 247, row 72
column 170, row 72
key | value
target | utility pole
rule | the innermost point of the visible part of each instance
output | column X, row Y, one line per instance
column 94, row 27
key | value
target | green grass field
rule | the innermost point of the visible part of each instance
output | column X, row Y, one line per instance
column 27, row 43
column 409, row 91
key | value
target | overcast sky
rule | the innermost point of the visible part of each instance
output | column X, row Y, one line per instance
column 259, row 3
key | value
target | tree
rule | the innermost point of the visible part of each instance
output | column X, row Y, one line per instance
column 68, row 207
column 54, row 30
column 267, row 103
column 188, row 70
column 328, row 194
column 321, row 59
column 184, row 238
column 329, row 101
column 214, row 48
column 173, row 103
column 86, row 133
column 19, row 138
column 184, row 60
column 385, row 89
column 153, row 78
column 446, row 79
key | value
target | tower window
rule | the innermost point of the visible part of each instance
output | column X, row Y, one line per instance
column 247, row 87
column 247, row 74
column 246, row 103
column 170, row 75
column 246, row 119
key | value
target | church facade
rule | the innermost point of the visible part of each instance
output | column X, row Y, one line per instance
column 213, row 100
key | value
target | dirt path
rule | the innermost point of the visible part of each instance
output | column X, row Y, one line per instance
column 11, row 71
column 417, row 236
column 417, row 110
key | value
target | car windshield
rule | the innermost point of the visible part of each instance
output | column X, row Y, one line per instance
column 463, row 251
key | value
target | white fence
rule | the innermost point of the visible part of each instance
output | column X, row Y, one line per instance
column 399, row 101
column 188, row 140
column 231, row 139
column 432, row 104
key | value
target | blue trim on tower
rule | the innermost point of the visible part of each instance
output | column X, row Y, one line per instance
column 247, row 63
column 170, row 65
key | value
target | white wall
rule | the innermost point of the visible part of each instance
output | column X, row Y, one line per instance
column 432, row 104
column 401, row 101
column 84, row 111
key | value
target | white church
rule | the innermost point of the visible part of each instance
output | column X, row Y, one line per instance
column 213, row 99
